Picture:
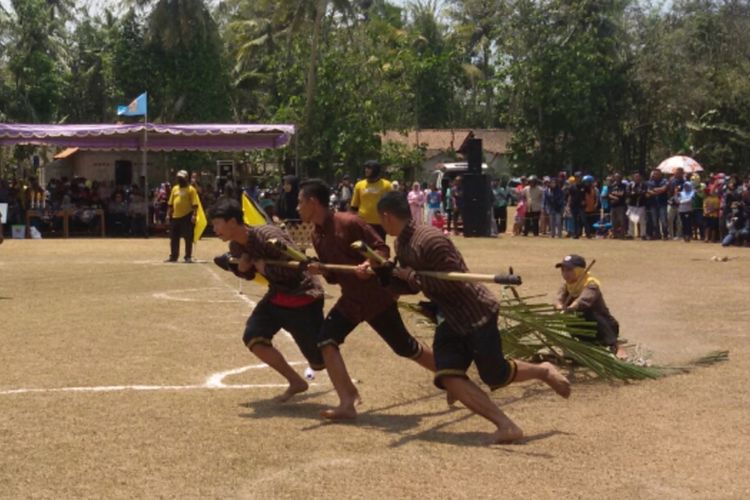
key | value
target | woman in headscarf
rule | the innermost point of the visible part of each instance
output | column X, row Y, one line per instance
column 416, row 203
column 286, row 206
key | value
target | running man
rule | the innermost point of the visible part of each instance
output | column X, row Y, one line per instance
column 294, row 300
column 469, row 331
column 362, row 296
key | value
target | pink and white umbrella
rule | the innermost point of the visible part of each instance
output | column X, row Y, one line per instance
column 689, row 165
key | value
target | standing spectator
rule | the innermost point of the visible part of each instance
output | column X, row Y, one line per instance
column 286, row 205
column 711, row 207
column 500, row 206
column 416, row 203
column 554, row 201
column 533, row 195
column 575, row 206
column 161, row 200
column 617, row 202
column 345, row 193
column 183, row 206
column 636, row 196
column 674, row 223
column 449, row 204
column 544, row 214
column 590, row 204
column 367, row 193
column 657, row 204
column 520, row 218
column 685, row 208
column 458, row 198
column 697, row 219
column 196, row 183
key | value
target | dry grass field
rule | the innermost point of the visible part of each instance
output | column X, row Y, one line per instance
column 124, row 377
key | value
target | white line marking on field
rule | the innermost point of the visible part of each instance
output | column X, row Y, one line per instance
column 175, row 295
column 214, row 381
column 243, row 297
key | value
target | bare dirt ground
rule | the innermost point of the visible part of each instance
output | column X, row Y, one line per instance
column 106, row 388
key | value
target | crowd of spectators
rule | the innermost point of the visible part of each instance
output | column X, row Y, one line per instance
column 714, row 208
column 124, row 207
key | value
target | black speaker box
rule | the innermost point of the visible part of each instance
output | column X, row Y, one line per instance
column 477, row 205
column 473, row 153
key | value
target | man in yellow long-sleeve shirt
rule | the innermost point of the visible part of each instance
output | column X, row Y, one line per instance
column 182, row 210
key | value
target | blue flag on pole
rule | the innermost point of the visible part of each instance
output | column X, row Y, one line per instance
column 138, row 107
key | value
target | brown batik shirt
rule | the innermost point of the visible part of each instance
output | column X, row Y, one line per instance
column 465, row 306
column 361, row 300
column 281, row 280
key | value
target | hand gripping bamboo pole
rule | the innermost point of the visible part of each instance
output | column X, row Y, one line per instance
column 501, row 279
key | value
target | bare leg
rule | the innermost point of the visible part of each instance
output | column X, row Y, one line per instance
column 273, row 358
column 426, row 359
column 546, row 372
column 477, row 401
column 343, row 384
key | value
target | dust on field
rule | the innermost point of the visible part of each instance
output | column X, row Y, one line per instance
column 96, row 313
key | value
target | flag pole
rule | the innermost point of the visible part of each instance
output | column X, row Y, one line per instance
column 146, row 193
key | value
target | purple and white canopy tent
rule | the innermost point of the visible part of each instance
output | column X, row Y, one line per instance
column 149, row 136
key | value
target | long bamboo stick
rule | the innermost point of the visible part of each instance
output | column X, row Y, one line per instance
column 502, row 279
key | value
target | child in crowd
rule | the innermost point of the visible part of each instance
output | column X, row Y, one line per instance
column 582, row 293
column 438, row 221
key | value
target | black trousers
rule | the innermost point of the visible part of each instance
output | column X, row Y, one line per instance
column 181, row 228
column 501, row 219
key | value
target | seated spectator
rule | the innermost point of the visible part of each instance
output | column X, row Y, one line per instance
column 117, row 215
column 581, row 293
column 738, row 225
column 137, row 212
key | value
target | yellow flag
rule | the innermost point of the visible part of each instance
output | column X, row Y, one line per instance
column 200, row 222
column 254, row 216
column 251, row 213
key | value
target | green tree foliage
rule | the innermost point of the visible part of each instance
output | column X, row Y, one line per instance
column 583, row 84
column 566, row 78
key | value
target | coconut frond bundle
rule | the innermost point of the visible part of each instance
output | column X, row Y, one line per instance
column 533, row 329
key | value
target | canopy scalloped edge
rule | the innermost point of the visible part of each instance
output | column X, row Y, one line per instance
column 159, row 137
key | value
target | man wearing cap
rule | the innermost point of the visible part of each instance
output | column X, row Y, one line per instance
column 582, row 293
column 467, row 330
column 182, row 209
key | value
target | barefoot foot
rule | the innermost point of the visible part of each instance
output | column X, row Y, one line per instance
column 507, row 434
column 342, row 412
column 557, row 380
column 294, row 388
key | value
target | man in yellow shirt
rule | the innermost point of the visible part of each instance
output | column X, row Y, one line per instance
column 181, row 210
column 367, row 194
